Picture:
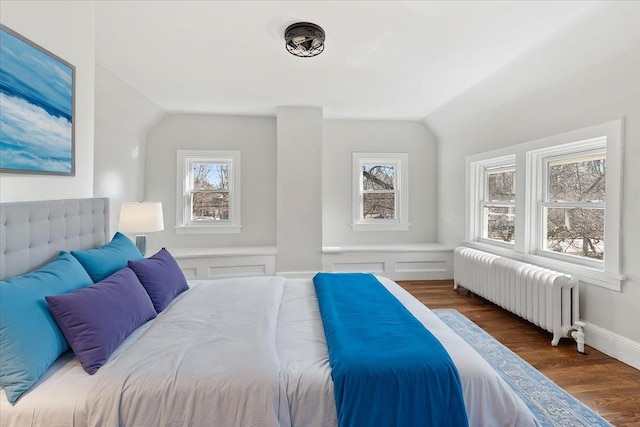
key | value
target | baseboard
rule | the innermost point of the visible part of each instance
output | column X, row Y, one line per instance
column 612, row 344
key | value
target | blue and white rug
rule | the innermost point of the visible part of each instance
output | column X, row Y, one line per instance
column 550, row 404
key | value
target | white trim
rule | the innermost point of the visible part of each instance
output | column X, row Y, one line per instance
column 184, row 253
column 612, row 344
column 490, row 242
column 401, row 247
column 401, row 163
column 183, row 224
column 584, row 205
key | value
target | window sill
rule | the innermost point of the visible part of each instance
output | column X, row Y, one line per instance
column 208, row 229
column 380, row 227
column 388, row 248
column 234, row 251
column 496, row 243
column 588, row 275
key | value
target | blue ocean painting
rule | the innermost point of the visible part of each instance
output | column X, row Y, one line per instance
column 36, row 108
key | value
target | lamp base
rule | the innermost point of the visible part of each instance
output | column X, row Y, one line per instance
column 141, row 243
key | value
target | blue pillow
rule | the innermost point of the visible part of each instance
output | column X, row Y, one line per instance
column 102, row 262
column 161, row 277
column 95, row 320
column 30, row 340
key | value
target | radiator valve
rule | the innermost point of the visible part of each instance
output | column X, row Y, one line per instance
column 578, row 335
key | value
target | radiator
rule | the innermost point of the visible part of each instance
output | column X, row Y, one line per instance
column 546, row 298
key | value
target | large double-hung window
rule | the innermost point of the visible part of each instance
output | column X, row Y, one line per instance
column 554, row 202
column 572, row 207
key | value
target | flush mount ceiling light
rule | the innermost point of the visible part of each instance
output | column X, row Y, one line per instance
column 304, row 39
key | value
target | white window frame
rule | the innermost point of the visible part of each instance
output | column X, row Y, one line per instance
column 530, row 168
column 400, row 161
column 538, row 161
column 184, row 225
column 480, row 171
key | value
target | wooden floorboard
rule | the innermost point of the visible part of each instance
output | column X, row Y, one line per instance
column 608, row 386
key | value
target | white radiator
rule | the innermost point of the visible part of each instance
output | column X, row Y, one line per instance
column 544, row 297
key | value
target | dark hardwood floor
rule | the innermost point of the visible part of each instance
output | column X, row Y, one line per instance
column 608, row 386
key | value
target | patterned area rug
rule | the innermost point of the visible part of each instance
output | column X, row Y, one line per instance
column 550, row 404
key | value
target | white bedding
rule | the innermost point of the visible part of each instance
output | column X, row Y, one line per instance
column 236, row 352
column 305, row 363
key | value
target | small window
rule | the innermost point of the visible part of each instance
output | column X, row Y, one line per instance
column 380, row 197
column 494, row 199
column 208, row 191
column 499, row 204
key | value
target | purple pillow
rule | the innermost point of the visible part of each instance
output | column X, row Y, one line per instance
column 161, row 277
column 95, row 320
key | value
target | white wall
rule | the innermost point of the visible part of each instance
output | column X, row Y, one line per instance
column 341, row 138
column 67, row 29
column 585, row 75
column 123, row 118
column 254, row 137
column 286, row 200
column 299, row 189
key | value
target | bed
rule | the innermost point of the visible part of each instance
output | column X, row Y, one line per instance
column 245, row 352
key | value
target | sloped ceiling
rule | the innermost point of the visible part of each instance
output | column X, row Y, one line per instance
column 383, row 59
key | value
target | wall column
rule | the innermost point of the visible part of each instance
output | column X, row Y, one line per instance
column 299, row 190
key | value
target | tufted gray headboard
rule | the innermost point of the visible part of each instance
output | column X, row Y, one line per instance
column 32, row 233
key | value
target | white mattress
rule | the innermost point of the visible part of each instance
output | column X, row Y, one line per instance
column 279, row 331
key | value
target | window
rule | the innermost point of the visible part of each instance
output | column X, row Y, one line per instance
column 208, row 192
column 494, row 201
column 499, row 204
column 554, row 202
column 380, row 197
column 570, row 210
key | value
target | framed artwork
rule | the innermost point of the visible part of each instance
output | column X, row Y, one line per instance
column 36, row 108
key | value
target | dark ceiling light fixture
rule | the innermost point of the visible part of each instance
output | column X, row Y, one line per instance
column 304, row 39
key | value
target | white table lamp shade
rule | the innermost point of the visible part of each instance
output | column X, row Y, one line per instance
column 141, row 217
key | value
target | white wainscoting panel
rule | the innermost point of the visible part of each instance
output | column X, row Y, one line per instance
column 221, row 263
column 370, row 267
column 428, row 261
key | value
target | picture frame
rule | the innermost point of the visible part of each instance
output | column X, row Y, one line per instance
column 37, row 106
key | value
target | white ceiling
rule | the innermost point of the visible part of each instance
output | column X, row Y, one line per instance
column 383, row 59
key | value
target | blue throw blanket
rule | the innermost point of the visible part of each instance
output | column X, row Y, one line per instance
column 387, row 368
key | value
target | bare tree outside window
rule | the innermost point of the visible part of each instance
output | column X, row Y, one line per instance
column 210, row 192
column 575, row 206
column 499, row 204
column 378, row 191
